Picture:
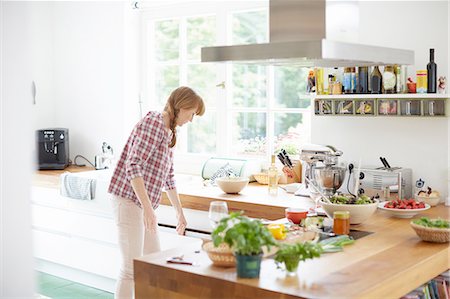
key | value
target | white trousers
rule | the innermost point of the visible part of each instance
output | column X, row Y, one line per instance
column 134, row 241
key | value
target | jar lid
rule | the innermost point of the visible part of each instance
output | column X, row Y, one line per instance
column 341, row 214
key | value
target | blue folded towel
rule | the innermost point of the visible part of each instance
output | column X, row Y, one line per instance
column 77, row 187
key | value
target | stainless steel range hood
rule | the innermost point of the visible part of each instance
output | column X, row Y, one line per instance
column 298, row 37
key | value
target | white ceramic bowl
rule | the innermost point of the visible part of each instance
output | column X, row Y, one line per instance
column 431, row 200
column 358, row 213
column 232, row 184
column 401, row 213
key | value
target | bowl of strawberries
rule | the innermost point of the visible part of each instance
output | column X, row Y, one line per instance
column 403, row 208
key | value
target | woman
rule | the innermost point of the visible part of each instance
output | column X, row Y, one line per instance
column 144, row 168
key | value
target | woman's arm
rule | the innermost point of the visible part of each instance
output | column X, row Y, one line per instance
column 150, row 220
column 175, row 201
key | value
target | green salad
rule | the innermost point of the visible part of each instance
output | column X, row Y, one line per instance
column 435, row 223
column 351, row 200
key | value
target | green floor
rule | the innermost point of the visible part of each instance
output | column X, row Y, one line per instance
column 58, row 288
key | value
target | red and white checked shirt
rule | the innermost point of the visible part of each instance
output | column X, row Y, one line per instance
column 147, row 155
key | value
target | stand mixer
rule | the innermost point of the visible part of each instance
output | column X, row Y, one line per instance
column 328, row 177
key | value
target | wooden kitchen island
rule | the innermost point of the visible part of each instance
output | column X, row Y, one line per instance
column 386, row 264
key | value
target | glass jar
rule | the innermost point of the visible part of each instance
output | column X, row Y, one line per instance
column 389, row 79
column 363, row 80
column 341, row 223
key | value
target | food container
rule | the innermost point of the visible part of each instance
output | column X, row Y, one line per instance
column 322, row 107
column 263, row 178
column 431, row 200
column 295, row 214
column 431, row 234
column 344, row 107
column 387, row 107
column 341, row 222
column 410, row 107
column 364, row 107
column 232, row 185
column 221, row 256
column 434, row 107
column 421, row 86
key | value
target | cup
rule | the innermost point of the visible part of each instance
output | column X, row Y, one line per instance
column 296, row 214
column 217, row 211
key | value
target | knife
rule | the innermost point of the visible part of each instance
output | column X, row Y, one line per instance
column 387, row 164
column 282, row 159
column 286, row 156
column 382, row 161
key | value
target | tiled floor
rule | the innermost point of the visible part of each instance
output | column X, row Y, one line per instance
column 58, row 288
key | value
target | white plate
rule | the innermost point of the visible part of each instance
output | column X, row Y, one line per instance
column 402, row 213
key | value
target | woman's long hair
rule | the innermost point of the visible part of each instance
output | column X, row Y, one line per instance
column 182, row 98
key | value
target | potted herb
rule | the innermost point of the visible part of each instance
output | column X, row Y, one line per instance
column 291, row 254
column 246, row 237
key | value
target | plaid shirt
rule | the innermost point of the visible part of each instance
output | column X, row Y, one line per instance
column 146, row 154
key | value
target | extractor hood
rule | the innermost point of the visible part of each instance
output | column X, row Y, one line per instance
column 298, row 37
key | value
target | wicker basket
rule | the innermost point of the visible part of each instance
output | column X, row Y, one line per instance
column 431, row 234
column 221, row 256
column 263, row 178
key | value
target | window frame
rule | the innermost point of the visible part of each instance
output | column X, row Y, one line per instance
column 191, row 163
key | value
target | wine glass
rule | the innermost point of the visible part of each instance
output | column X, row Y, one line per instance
column 217, row 211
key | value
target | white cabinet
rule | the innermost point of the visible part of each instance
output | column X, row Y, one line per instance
column 77, row 239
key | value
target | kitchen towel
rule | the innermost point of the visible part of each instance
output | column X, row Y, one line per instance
column 77, row 187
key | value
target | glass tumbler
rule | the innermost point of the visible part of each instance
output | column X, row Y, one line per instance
column 217, row 211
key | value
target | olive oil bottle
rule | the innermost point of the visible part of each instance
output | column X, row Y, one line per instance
column 272, row 174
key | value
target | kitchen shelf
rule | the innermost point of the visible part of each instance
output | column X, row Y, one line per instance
column 405, row 105
column 384, row 96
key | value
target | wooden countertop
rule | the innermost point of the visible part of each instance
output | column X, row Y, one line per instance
column 386, row 264
column 254, row 199
column 50, row 178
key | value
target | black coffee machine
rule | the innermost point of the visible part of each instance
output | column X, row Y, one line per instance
column 53, row 148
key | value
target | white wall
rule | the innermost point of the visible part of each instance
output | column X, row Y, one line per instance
column 16, row 139
column 418, row 143
column 89, row 73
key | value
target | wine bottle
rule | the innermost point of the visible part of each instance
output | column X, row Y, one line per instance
column 431, row 74
column 375, row 80
column 273, row 177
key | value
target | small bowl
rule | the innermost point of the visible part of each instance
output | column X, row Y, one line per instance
column 431, row 200
column 358, row 213
column 232, row 185
column 295, row 214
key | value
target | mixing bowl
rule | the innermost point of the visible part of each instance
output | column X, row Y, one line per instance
column 232, row 184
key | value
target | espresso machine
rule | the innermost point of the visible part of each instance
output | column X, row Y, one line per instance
column 322, row 170
column 53, row 148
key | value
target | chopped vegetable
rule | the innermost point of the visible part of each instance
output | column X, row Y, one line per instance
column 336, row 243
column 436, row 223
column 349, row 199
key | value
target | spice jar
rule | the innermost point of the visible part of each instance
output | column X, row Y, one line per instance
column 341, row 224
column 389, row 79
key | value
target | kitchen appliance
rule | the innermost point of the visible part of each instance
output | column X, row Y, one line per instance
column 53, row 148
column 298, row 36
column 329, row 178
column 327, row 175
column 384, row 180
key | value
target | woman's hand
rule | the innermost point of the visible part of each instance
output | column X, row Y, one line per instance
column 150, row 220
column 181, row 226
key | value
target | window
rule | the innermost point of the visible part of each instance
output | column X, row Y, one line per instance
column 252, row 110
